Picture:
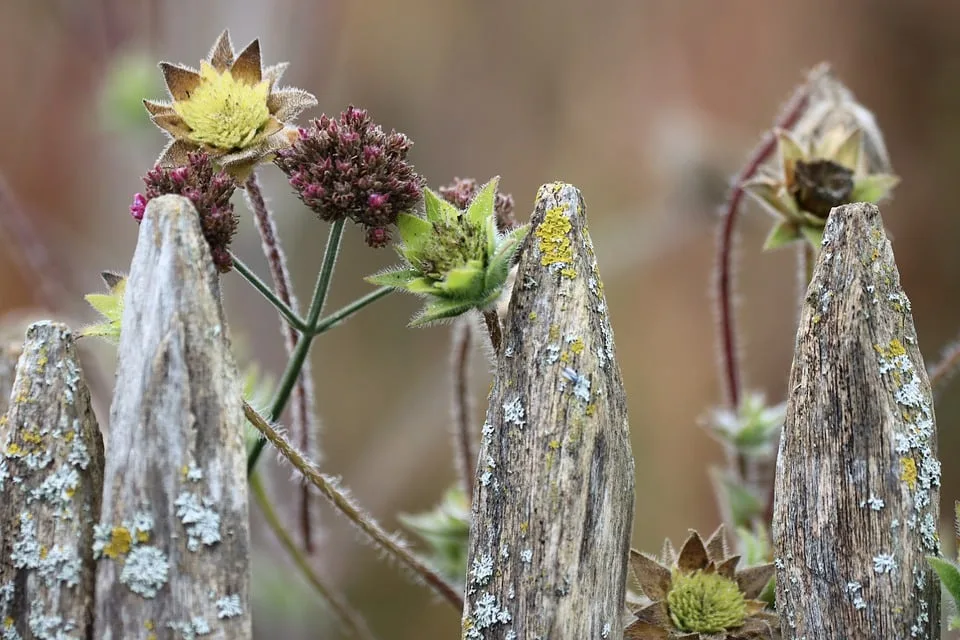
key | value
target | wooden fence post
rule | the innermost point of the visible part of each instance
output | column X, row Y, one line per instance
column 173, row 543
column 857, row 499
column 51, row 478
column 553, row 505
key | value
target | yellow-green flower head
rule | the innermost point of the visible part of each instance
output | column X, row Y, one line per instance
column 698, row 594
column 705, row 602
column 457, row 259
column 230, row 109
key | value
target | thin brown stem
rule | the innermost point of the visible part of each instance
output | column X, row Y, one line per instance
column 463, row 435
column 392, row 545
column 492, row 321
column 347, row 616
column 941, row 372
column 30, row 252
column 730, row 366
column 302, row 415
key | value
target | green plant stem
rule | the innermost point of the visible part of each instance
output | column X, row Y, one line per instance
column 347, row 616
column 302, row 414
column 298, row 357
column 338, row 316
column 391, row 544
column 295, row 321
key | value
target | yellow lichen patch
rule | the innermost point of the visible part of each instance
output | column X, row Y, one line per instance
column 532, row 316
column 69, row 436
column 554, row 444
column 7, row 622
column 554, row 332
column 143, row 536
column 44, row 552
column 577, row 346
column 148, row 625
column 908, row 472
column 524, row 527
column 70, row 491
column 119, row 545
column 591, row 409
column 816, row 318
column 3, row 420
column 13, row 450
column 555, row 246
column 32, row 437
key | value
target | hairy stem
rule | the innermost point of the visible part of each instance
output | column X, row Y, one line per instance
column 338, row 316
column 346, row 615
column 302, row 416
column 730, row 367
column 392, row 545
column 247, row 274
column 463, row 436
column 298, row 359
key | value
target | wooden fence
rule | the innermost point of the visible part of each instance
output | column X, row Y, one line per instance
column 146, row 534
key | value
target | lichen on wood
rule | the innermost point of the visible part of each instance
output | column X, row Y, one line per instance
column 857, row 488
column 51, row 478
column 173, row 540
column 553, row 505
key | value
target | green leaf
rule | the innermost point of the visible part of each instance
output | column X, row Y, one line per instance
column 438, row 209
column 873, row 188
column 110, row 306
column 480, row 209
column 463, row 283
column 414, row 231
column 742, row 504
column 813, row 235
column 398, row 277
column 439, row 310
column 422, row 286
column 949, row 576
column 847, row 152
column 782, row 234
column 774, row 199
column 499, row 268
column 789, row 151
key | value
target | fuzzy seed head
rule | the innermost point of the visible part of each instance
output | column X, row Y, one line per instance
column 705, row 602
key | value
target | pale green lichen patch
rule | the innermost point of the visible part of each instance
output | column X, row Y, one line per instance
column 145, row 571
column 201, row 522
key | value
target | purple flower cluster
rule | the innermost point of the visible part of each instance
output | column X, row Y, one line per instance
column 348, row 167
column 208, row 190
column 461, row 192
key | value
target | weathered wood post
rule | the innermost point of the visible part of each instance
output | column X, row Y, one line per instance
column 856, row 503
column 51, row 478
column 553, row 505
column 173, row 543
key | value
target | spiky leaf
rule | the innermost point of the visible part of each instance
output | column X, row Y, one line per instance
column 782, row 234
column 439, row 309
column 949, row 576
column 873, row 188
column 398, row 277
column 414, row 231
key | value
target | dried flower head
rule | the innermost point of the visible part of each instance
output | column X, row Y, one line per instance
column 208, row 190
column 457, row 259
column 230, row 109
column 347, row 167
column 699, row 595
column 462, row 191
column 833, row 155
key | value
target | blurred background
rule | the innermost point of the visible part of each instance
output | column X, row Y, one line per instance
column 648, row 107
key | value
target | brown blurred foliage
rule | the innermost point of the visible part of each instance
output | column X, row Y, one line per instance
column 648, row 107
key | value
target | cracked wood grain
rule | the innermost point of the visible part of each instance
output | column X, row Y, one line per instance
column 857, row 486
column 51, row 478
column 173, row 544
column 553, row 504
